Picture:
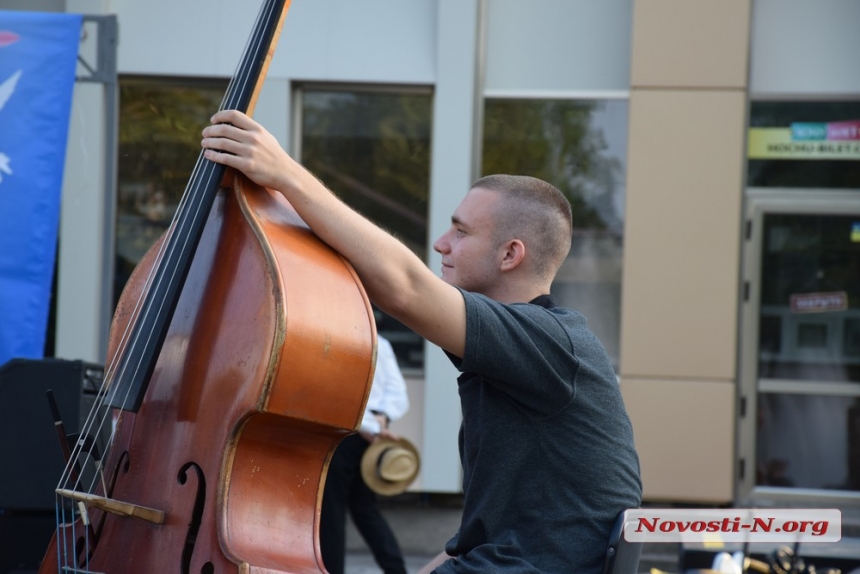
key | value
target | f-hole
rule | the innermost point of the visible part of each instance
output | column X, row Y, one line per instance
column 196, row 517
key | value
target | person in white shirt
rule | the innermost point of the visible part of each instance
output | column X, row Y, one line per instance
column 346, row 490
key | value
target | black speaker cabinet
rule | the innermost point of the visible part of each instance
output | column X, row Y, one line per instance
column 29, row 446
column 24, row 539
column 31, row 452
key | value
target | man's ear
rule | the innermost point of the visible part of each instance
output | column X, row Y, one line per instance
column 513, row 254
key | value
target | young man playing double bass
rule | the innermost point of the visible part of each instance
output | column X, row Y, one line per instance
column 546, row 445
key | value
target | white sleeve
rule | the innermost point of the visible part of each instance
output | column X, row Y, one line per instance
column 388, row 390
column 395, row 401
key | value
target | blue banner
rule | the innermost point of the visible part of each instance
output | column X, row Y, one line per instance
column 38, row 55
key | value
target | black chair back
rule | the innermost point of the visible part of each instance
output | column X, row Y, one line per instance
column 622, row 557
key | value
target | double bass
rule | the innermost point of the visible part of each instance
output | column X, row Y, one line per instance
column 241, row 352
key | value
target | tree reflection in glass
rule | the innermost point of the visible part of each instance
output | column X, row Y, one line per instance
column 580, row 147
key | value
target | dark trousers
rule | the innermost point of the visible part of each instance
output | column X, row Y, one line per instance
column 345, row 490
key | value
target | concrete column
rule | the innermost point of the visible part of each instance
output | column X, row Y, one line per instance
column 84, row 258
column 688, row 107
column 451, row 171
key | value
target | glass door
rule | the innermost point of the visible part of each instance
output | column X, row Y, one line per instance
column 800, row 346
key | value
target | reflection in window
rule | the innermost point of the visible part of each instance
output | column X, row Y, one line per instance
column 810, row 289
column 851, row 338
column 808, row 441
column 812, row 335
column 806, row 124
column 372, row 149
column 580, row 147
column 159, row 141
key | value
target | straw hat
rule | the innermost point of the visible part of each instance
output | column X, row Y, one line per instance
column 389, row 466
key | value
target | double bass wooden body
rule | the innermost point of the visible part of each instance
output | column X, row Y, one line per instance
column 264, row 364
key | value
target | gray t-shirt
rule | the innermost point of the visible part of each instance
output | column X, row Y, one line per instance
column 546, row 445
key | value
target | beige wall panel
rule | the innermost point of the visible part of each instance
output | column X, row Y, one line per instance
column 685, row 438
column 690, row 43
column 682, row 234
column 411, row 426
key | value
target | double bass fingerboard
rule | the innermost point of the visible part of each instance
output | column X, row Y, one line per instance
column 128, row 377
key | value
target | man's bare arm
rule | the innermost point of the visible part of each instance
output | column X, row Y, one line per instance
column 437, row 561
column 394, row 277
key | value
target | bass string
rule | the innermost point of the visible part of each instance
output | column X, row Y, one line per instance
column 99, row 416
column 254, row 49
column 157, row 275
column 82, row 460
column 190, row 207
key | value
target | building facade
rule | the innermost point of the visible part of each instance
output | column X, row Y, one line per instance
column 710, row 151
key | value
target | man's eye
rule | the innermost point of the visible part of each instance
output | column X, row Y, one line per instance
column 460, row 233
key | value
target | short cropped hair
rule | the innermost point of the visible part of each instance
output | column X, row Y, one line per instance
column 535, row 212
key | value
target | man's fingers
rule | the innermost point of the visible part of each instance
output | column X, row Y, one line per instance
column 233, row 117
column 220, row 157
column 226, row 116
column 225, row 131
column 227, row 152
column 222, row 144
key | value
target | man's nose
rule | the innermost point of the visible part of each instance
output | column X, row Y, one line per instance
column 441, row 244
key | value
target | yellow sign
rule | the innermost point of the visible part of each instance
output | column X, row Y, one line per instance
column 783, row 143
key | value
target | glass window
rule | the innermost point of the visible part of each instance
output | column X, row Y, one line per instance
column 804, row 144
column 372, row 148
column 808, row 441
column 580, row 147
column 807, row 417
column 159, row 141
column 810, row 289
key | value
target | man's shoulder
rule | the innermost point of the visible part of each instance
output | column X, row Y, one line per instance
column 544, row 306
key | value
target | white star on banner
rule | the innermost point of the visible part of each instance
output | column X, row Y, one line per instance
column 4, row 165
column 7, row 88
